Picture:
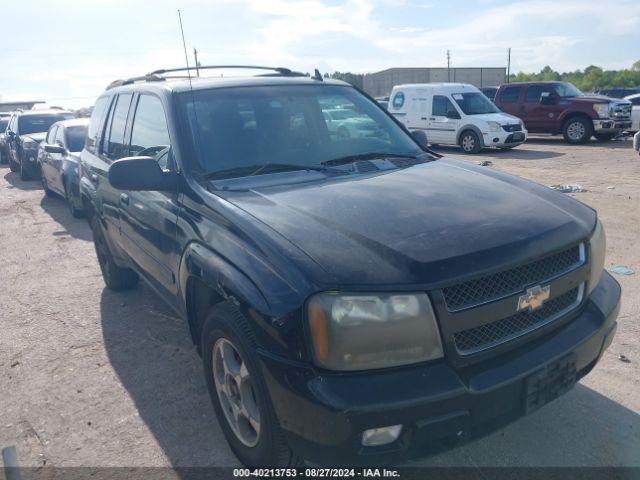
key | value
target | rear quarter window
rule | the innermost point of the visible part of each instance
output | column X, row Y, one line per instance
column 97, row 119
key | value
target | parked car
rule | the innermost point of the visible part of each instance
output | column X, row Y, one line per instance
column 635, row 111
column 347, row 123
column 617, row 92
column 559, row 107
column 4, row 121
column 25, row 132
column 58, row 161
column 354, row 300
column 489, row 92
column 455, row 114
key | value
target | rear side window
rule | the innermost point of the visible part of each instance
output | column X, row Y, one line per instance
column 97, row 117
column 75, row 138
column 441, row 105
column 59, row 139
column 150, row 134
column 115, row 146
column 510, row 94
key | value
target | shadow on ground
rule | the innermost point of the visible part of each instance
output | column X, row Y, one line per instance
column 559, row 140
column 56, row 207
column 152, row 354
column 13, row 179
column 517, row 153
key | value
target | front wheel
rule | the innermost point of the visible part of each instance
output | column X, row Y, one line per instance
column 116, row 278
column 577, row 130
column 45, row 186
column 470, row 142
column 238, row 392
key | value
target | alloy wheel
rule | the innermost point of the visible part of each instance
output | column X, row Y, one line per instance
column 235, row 392
column 468, row 143
column 576, row 131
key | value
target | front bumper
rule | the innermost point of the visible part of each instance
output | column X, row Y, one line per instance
column 324, row 414
column 611, row 125
column 504, row 139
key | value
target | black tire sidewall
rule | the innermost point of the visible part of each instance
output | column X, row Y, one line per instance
column 222, row 322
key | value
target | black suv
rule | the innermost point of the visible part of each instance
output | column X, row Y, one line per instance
column 354, row 300
column 23, row 136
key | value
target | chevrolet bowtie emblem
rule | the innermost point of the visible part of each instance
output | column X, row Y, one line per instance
column 534, row 298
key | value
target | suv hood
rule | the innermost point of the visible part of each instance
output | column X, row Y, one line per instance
column 36, row 137
column 593, row 99
column 428, row 223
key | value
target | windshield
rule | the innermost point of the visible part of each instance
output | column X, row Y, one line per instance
column 76, row 137
column 38, row 123
column 294, row 125
column 475, row 103
column 565, row 89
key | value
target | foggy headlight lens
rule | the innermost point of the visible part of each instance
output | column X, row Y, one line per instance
column 493, row 126
column 602, row 109
column 364, row 331
column 597, row 248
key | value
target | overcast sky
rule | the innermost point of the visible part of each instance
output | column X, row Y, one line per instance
column 67, row 51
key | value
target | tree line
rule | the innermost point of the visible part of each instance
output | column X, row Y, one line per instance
column 590, row 79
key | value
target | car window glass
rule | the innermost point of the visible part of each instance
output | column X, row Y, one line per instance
column 115, row 145
column 75, row 137
column 534, row 92
column 97, row 116
column 37, row 123
column 59, row 138
column 52, row 134
column 3, row 124
column 441, row 105
column 510, row 94
column 150, row 134
column 635, row 101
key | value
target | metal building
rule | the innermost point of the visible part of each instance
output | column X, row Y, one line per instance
column 379, row 84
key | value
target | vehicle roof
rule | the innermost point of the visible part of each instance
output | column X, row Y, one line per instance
column 54, row 111
column 73, row 122
column 533, row 82
column 633, row 95
column 183, row 84
column 439, row 86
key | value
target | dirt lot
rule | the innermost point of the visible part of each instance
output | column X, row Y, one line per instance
column 89, row 377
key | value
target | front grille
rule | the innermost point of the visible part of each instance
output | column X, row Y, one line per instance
column 500, row 331
column 508, row 282
column 516, row 127
column 621, row 111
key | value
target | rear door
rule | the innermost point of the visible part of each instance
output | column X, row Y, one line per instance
column 509, row 100
column 148, row 219
column 442, row 129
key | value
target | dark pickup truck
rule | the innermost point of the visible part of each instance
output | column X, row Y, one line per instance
column 354, row 299
column 559, row 107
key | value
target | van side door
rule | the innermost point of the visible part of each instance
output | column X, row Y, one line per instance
column 442, row 128
column 148, row 218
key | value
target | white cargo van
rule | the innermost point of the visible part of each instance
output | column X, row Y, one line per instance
column 455, row 114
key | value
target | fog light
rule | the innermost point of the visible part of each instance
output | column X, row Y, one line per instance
column 381, row 436
column 496, row 140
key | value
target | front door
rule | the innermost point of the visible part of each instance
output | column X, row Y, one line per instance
column 442, row 127
column 540, row 115
column 148, row 219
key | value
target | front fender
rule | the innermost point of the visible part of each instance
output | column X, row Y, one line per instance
column 470, row 127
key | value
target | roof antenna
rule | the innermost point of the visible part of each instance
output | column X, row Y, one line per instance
column 184, row 45
column 318, row 76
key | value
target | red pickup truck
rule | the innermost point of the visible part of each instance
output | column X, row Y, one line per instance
column 559, row 107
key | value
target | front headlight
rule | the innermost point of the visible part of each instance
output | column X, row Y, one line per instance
column 494, row 126
column 602, row 109
column 364, row 331
column 29, row 145
column 597, row 249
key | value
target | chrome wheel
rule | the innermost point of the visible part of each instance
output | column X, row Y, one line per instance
column 468, row 143
column 235, row 392
column 576, row 131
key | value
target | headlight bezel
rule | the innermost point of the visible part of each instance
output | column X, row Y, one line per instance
column 494, row 126
column 332, row 356
column 30, row 145
column 602, row 109
column 597, row 254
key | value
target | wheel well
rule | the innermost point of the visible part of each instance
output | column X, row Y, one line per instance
column 200, row 298
column 462, row 132
column 571, row 116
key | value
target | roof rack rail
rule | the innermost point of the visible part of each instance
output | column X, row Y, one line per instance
column 281, row 70
column 128, row 81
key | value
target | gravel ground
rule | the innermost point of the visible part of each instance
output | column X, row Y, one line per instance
column 89, row 377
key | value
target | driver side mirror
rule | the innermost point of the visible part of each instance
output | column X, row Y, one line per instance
column 54, row 149
column 546, row 98
column 140, row 174
column 452, row 114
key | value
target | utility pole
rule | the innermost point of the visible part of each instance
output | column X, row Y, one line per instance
column 448, row 66
column 195, row 54
column 509, row 65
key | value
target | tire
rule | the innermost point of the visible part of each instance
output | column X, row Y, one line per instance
column 469, row 142
column 577, row 130
column 75, row 211
column 226, row 330
column 604, row 137
column 13, row 165
column 115, row 277
column 24, row 175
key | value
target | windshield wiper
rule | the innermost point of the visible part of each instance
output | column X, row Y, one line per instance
column 250, row 170
column 366, row 156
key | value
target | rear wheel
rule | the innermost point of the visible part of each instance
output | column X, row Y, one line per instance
column 13, row 165
column 577, row 130
column 116, row 278
column 75, row 211
column 238, row 392
column 470, row 142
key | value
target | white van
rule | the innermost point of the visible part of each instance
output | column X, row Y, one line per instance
column 455, row 114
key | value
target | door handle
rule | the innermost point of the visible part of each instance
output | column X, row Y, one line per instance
column 124, row 198
column 432, row 118
column 423, row 118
